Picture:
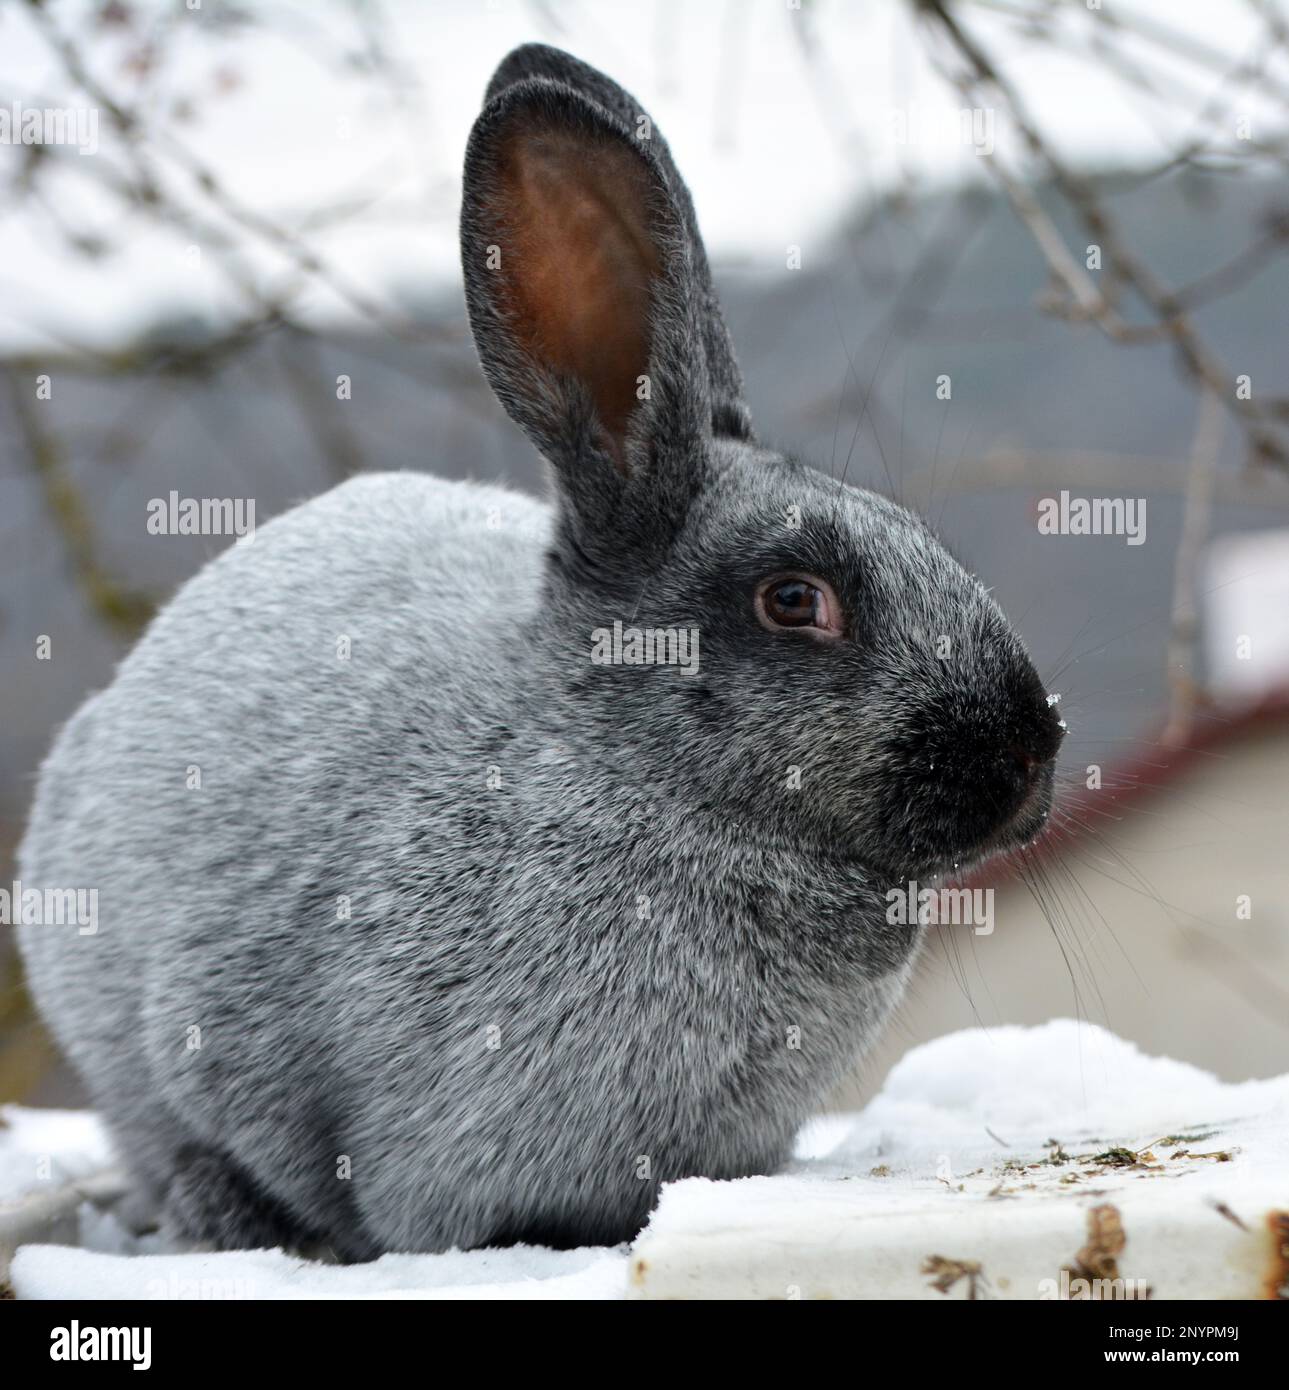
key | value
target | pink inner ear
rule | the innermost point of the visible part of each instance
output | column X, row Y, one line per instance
column 579, row 261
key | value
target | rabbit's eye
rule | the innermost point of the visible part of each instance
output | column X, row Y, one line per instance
column 799, row 601
column 793, row 604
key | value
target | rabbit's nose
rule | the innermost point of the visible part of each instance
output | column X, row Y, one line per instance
column 1030, row 750
column 1036, row 735
column 1026, row 763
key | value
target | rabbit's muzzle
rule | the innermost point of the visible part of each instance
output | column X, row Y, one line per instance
column 970, row 775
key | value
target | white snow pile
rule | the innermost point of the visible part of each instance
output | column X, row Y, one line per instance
column 1066, row 1080
column 53, row 1147
column 959, row 1116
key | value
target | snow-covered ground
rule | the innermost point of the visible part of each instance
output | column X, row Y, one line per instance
column 987, row 1164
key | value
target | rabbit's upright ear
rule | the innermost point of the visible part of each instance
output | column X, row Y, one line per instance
column 588, row 293
column 724, row 379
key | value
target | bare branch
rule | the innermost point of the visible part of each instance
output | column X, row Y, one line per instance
column 1084, row 300
column 1183, row 681
column 123, row 610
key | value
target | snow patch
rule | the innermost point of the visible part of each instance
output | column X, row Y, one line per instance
column 979, row 1099
column 46, row 1148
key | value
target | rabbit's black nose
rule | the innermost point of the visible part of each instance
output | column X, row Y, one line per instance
column 1039, row 739
column 1025, row 762
column 1035, row 744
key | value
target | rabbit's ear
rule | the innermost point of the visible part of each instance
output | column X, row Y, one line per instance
column 584, row 298
column 724, row 380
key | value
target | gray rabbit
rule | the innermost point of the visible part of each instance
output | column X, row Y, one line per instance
column 420, row 925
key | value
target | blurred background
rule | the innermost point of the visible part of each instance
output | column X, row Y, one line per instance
column 973, row 254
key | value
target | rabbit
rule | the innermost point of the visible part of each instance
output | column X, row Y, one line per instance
column 420, row 927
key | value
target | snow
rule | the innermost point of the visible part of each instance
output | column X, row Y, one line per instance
column 42, row 1151
column 1070, row 1080
column 994, row 1147
column 524, row 1272
column 48, row 1146
column 950, row 1154
column 953, row 1107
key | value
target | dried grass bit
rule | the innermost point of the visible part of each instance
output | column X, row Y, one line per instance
column 1096, row 1266
column 945, row 1273
column 1278, row 1282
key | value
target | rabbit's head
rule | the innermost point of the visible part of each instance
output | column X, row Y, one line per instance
column 719, row 622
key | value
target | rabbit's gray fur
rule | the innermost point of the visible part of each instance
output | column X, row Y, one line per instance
column 601, row 934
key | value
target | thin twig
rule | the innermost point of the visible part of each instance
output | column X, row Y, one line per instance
column 123, row 610
column 1182, row 678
